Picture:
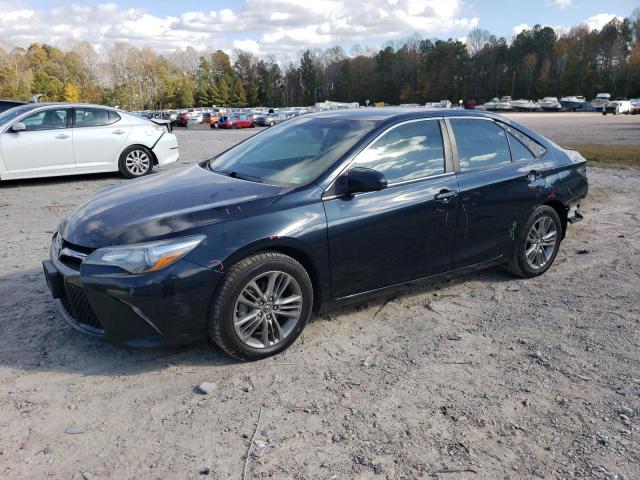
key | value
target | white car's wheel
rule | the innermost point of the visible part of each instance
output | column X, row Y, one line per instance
column 136, row 161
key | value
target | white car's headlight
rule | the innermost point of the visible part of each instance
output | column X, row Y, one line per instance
column 145, row 257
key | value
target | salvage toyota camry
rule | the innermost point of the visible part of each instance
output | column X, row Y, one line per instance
column 317, row 211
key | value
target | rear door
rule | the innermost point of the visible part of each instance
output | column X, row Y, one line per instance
column 404, row 231
column 98, row 137
column 45, row 147
column 500, row 182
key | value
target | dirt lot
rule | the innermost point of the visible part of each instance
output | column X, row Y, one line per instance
column 478, row 377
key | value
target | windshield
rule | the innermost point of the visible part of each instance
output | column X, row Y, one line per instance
column 14, row 112
column 292, row 153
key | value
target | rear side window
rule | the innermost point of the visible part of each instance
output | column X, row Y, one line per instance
column 94, row 117
column 409, row 151
column 481, row 143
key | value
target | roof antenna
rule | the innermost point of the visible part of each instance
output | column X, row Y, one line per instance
column 35, row 98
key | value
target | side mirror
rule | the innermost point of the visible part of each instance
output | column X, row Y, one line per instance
column 18, row 127
column 362, row 179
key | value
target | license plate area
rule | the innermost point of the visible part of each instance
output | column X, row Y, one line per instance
column 574, row 215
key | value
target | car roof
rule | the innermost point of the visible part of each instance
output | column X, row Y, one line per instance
column 68, row 105
column 386, row 114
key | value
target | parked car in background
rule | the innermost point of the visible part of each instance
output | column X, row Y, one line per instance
column 236, row 121
column 617, row 106
column 270, row 119
column 52, row 139
column 635, row 106
column 211, row 119
column 7, row 104
column 318, row 211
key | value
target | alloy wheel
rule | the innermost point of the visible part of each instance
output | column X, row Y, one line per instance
column 541, row 242
column 137, row 162
column 267, row 309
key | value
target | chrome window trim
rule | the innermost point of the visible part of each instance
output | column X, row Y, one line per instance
column 446, row 150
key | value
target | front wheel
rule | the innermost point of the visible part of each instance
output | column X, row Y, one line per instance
column 261, row 307
column 537, row 243
column 135, row 162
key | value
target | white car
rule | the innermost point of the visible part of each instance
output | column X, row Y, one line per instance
column 617, row 106
column 52, row 139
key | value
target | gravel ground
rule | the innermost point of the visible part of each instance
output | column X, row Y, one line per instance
column 478, row 377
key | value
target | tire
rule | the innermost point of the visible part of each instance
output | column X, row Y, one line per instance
column 228, row 310
column 135, row 161
column 523, row 266
column 234, row 126
column 271, row 124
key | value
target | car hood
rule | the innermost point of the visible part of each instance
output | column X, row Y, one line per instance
column 164, row 205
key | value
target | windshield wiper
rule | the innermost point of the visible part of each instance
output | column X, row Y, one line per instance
column 232, row 174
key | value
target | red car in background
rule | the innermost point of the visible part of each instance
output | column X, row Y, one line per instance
column 237, row 121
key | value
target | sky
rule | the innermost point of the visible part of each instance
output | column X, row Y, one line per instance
column 283, row 27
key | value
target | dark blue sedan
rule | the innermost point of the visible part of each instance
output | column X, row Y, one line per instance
column 317, row 211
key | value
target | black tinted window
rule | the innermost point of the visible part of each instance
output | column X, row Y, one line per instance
column 93, row 117
column 409, row 151
column 481, row 143
column 518, row 150
column 46, row 120
column 531, row 145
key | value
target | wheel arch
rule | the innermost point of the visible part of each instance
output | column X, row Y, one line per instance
column 146, row 147
column 291, row 249
column 562, row 212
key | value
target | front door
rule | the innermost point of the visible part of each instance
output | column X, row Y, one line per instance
column 45, row 147
column 403, row 232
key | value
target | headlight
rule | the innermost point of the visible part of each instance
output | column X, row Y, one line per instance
column 145, row 257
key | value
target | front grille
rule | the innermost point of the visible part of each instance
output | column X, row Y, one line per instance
column 77, row 305
column 75, row 254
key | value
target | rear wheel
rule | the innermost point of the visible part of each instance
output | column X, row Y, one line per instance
column 537, row 244
column 271, row 124
column 234, row 126
column 136, row 161
column 262, row 306
column 215, row 125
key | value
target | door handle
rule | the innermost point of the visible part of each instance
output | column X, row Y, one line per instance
column 445, row 195
column 62, row 136
column 533, row 176
column 118, row 132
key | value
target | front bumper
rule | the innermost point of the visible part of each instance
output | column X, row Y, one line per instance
column 165, row 308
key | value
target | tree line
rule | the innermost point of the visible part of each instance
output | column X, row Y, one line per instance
column 537, row 62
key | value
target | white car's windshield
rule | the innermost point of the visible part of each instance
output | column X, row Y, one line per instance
column 15, row 112
column 292, row 153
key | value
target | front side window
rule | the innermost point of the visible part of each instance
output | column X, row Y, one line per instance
column 481, row 143
column 93, row 117
column 46, row 120
column 407, row 152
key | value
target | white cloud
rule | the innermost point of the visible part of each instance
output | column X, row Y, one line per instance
column 519, row 29
column 598, row 21
column 561, row 4
column 260, row 26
